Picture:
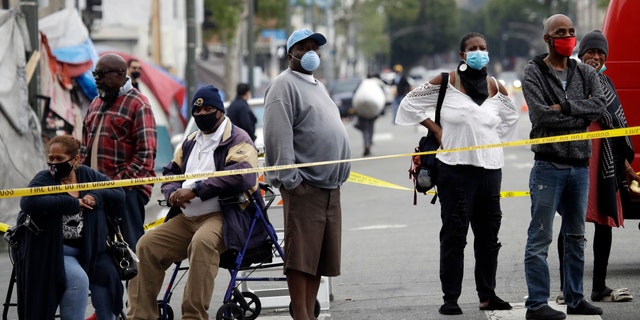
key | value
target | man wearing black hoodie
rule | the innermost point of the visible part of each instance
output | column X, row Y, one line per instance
column 563, row 97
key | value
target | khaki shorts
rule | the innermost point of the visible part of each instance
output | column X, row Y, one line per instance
column 312, row 230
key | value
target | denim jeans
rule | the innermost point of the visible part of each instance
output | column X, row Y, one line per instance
column 564, row 190
column 74, row 299
column 396, row 106
column 469, row 196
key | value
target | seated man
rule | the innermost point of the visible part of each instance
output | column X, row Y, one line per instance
column 196, row 231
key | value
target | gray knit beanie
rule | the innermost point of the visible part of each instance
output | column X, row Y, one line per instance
column 593, row 40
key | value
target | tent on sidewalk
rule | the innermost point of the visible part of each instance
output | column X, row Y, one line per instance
column 22, row 151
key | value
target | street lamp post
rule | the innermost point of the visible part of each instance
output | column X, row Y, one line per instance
column 190, row 73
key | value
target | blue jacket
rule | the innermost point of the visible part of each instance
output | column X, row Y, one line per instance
column 39, row 259
column 241, row 115
column 235, row 151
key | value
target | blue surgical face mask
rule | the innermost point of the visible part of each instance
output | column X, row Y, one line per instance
column 477, row 59
column 604, row 67
column 310, row 61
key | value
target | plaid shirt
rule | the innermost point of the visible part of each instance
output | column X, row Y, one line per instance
column 127, row 144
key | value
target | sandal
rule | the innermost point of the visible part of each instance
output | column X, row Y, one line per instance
column 612, row 295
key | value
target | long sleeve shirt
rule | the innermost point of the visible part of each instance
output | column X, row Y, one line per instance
column 127, row 139
column 302, row 124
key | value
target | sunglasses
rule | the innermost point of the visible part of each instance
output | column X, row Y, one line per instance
column 102, row 73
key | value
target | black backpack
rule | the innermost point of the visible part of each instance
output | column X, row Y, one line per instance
column 424, row 168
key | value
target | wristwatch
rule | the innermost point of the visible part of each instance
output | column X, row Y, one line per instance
column 194, row 188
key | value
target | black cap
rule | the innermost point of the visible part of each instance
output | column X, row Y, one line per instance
column 593, row 40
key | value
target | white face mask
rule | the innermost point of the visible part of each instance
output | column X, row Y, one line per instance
column 310, row 61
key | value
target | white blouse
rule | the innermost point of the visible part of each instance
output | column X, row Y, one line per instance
column 464, row 123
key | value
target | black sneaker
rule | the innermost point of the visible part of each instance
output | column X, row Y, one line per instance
column 545, row 313
column 585, row 308
column 450, row 308
column 495, row 303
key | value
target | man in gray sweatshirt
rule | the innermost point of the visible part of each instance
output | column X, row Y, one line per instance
column 302, row 124
column 563, row 97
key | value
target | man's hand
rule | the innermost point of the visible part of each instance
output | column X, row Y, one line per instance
column 181, row 197
column 555, row 107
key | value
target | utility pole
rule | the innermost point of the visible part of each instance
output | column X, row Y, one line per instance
column 156, row 47
column 190, row 70
column 329, row 69
column 30, row 10
column 251, row 44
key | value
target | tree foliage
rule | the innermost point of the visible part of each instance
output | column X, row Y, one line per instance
column 511, row 25
column 228, row 14
column 422, row 28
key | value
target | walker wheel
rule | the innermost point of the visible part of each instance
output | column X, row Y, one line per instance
column 163, row 316
column 316, row 310
column 251, row 304
column 230, row 311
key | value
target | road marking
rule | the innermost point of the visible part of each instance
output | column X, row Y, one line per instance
column 519, row 312
column 382, row 136
column 380, row 227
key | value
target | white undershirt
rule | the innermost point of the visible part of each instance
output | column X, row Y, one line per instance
column 308, row 77
column 201, row 160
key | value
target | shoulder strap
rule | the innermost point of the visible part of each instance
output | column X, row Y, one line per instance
column 443, row 89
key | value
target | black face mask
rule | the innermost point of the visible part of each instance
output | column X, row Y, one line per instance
column 135, row 75
column 108, row 97
column 206, row 122
column 61, row 170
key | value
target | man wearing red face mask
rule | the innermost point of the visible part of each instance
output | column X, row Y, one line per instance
column 563, row 97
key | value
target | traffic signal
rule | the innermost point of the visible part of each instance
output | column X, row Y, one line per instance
column 91, row 12
column 208, row 23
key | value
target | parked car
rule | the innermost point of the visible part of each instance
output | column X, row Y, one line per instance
column 257, row 106
column 511, row 80
column 341, row 92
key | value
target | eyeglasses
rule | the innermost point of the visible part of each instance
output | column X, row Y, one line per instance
column 102, row 73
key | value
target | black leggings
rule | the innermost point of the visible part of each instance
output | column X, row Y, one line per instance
column 601, row 251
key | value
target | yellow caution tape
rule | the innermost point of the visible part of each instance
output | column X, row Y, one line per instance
column 362, row 179
column 511, row 194
column 4, row 227
column 19, row 192
column 503, row 194
column 153, row 224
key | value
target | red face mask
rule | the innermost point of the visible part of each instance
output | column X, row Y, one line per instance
column 563, row 46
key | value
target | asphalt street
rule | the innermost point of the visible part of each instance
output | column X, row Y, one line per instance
column 391, row 248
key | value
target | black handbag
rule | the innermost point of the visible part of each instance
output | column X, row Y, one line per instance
column 124, row 258
column 424, row 169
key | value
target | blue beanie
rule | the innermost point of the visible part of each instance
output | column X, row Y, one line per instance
column 207, row 96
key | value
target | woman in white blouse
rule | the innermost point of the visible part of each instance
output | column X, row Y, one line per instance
column 476, row 111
